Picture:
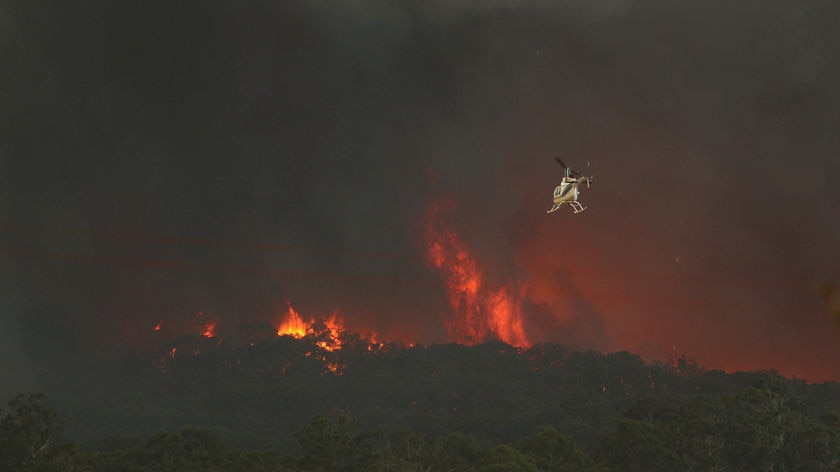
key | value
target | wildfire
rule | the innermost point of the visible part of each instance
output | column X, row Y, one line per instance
column 294, row 325
column 209, row 330
column 327, row 331
column 374, row 344
column 478, row 312
column 208, row 324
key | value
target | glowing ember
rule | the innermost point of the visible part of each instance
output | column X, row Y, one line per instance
column 330, row 337
column 209, row 330
column 373, row 342
column 479, row 313
column 157, row 327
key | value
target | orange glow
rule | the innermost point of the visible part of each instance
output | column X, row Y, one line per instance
column 157, row 327
column 294, row 325
column 325, row 333
column 335, row 326
column 373, row 342
column 478, row 312
column 506, row 317
column 209, row 330
column 327, row 338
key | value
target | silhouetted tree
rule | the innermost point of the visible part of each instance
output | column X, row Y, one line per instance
column 29, row 437
column 336, row 445
column 552, row 451
column 504, row 458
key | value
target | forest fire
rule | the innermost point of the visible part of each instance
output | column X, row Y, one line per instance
column 207, row 323
column 479, row 313
column 295, row 326
column 209, row 330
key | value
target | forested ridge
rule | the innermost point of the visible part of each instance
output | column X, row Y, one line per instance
column 282, row 403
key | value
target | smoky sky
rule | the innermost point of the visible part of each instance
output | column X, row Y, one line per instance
column 163, row 158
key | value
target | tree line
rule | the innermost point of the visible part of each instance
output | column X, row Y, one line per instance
column 293, row 404
column 765, row 427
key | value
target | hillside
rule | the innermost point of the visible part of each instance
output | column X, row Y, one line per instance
column 259, row 394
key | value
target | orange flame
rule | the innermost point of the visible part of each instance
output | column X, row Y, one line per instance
column 506, row 317
column 295, row 326
column 335, row 326
column 209, row 330
column 479, row 313
column 374, row 344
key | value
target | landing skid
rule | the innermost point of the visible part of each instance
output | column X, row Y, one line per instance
column 576, row 206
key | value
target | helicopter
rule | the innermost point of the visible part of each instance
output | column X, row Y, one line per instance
column 567, row 191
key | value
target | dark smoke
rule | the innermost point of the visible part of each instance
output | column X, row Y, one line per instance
column 163, row 158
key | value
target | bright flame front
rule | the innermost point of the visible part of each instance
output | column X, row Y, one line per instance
column 293, row 325
column 327, row 331
column 479, row 313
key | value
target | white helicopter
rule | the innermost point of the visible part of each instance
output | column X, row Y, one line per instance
column 567, row 191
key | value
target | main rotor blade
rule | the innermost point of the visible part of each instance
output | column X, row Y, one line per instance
column 561, row 163
column 574, row 173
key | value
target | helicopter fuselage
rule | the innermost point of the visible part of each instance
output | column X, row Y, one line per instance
column 567, row 192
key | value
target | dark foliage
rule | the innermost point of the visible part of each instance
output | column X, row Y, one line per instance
column 440, row 407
